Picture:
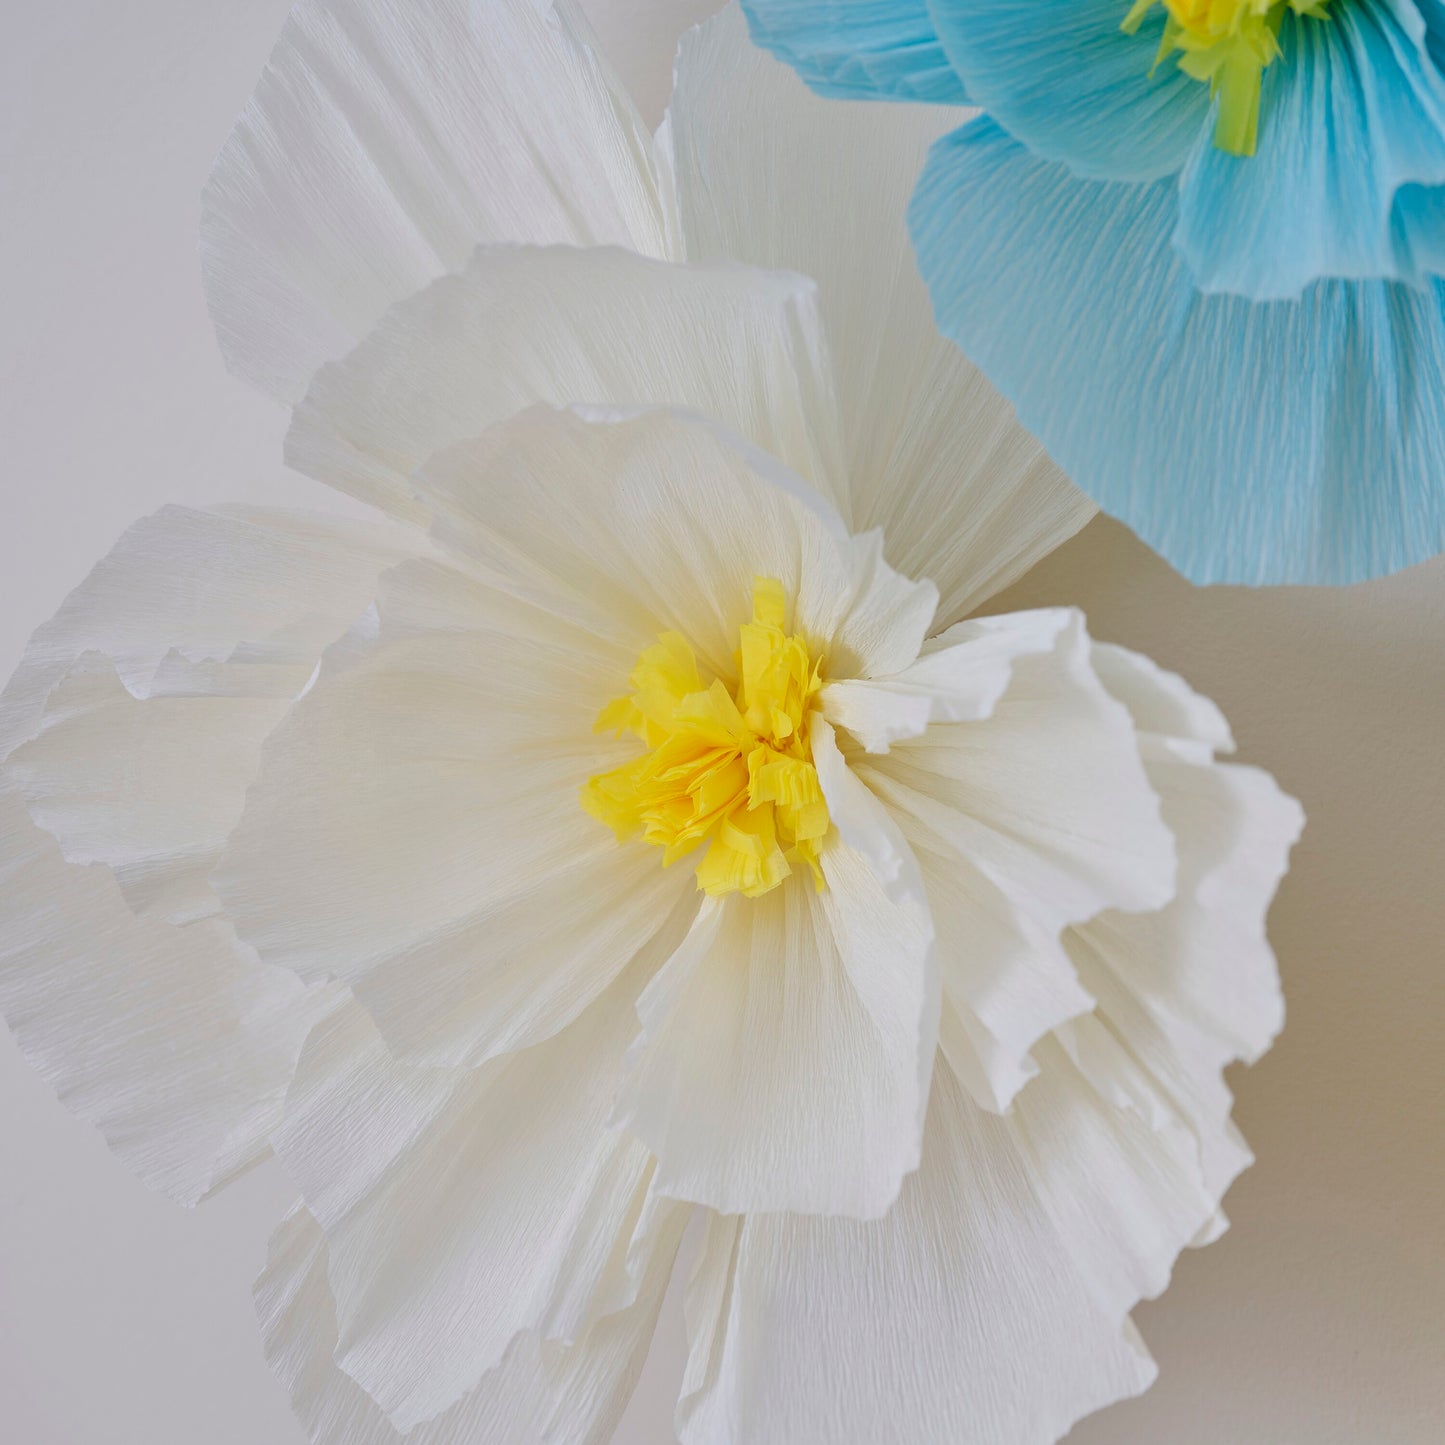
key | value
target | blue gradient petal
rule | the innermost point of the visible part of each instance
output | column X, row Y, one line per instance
column 1419, row 228
column 858, row 49
column 1351, row 115
column 1281, row 441
column 1065, row 79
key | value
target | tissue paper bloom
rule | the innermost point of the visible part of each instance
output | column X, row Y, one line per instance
column 927, row 1027
column 1241, row 356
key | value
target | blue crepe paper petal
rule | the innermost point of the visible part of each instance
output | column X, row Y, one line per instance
column 1353, row 113
column 1284, row 441
column 858, row 49
column 1071, row 85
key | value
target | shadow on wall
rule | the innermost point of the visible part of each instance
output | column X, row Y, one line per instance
column 1320, row 1317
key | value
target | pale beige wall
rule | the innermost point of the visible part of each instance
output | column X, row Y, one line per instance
column 124, row 1321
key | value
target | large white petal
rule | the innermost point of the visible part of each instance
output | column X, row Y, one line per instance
column 1038, row 816
column 415, row 829
column 246, row 584
column 519, row 325
column 463, row 1206
column 384, row 142
column 1186, row 990
column 540, row 1394
column 787, row 1044
column 770, row 174
column 1206, row 955
column 661, row 521
column 958, row 677
column 146, row 698
column 175, row 1042
column 988, row 1306
column 148, row 787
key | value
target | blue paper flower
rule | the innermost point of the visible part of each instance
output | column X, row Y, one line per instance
column 1206, row 264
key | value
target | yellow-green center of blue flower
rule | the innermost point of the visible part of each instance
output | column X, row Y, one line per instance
column 1230, row 44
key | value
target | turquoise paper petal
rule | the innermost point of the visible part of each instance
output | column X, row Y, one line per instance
column 858, row 49
column 1282, row 441
column 1419, row 227
column 1352, row 113
column 1065, row 79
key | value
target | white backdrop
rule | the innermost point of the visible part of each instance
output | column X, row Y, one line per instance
column 127, row 1321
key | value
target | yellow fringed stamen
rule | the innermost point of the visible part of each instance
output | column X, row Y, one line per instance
column 1229, row 43
column 731, row 770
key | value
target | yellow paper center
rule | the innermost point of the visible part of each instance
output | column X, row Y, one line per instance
column 732, row 770
column 1230, row 44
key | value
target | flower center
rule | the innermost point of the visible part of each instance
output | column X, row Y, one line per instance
column 733, row 770
column 1229, row 43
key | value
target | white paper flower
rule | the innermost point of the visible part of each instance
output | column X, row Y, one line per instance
column 927, row 1015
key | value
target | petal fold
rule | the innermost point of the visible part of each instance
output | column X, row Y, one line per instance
column 785, row 1049
column 562, row 326
column 1073, row 86
column 382, row 145
column 706, row 510
column 540, row 1394
column 1036, row 817
column 958, row 677
column 875, row 50
column 933, row 456
column 967, row 1313
column 464, row 1207
column 1193, row 987
column 1352, row 124
column 415, row 828
column 176, row 1043
column 1283, row 441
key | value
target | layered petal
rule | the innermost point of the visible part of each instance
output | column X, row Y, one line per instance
column 146, row 699
column 540, row 1394
column 1247, row 441
column 1035, row 817
column 880, row 49
column 1351, row 151
column 149, row 787
column 1192, row 987
column 140, row 709
column 248, row 586
column 989, row 1305
column 659, row 522
column 462, row 1207
column 786, row 1045
column 933, row 456
column 1073, row 86
column 176, row 1043
column 383, row 144
column 563, row 326
column 959, row 676
column 415, row 828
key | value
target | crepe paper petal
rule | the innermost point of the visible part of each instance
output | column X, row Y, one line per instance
column 793, row 1032
column 1352, row 127
column 1071, row 84
column 361, row 168
column 174, row 1042
column 922, row 1325
column 859, row 49
column 520, row 326
column 1247, row 442
column 933, row 457
column 542, row 1393
column 433, row 1276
